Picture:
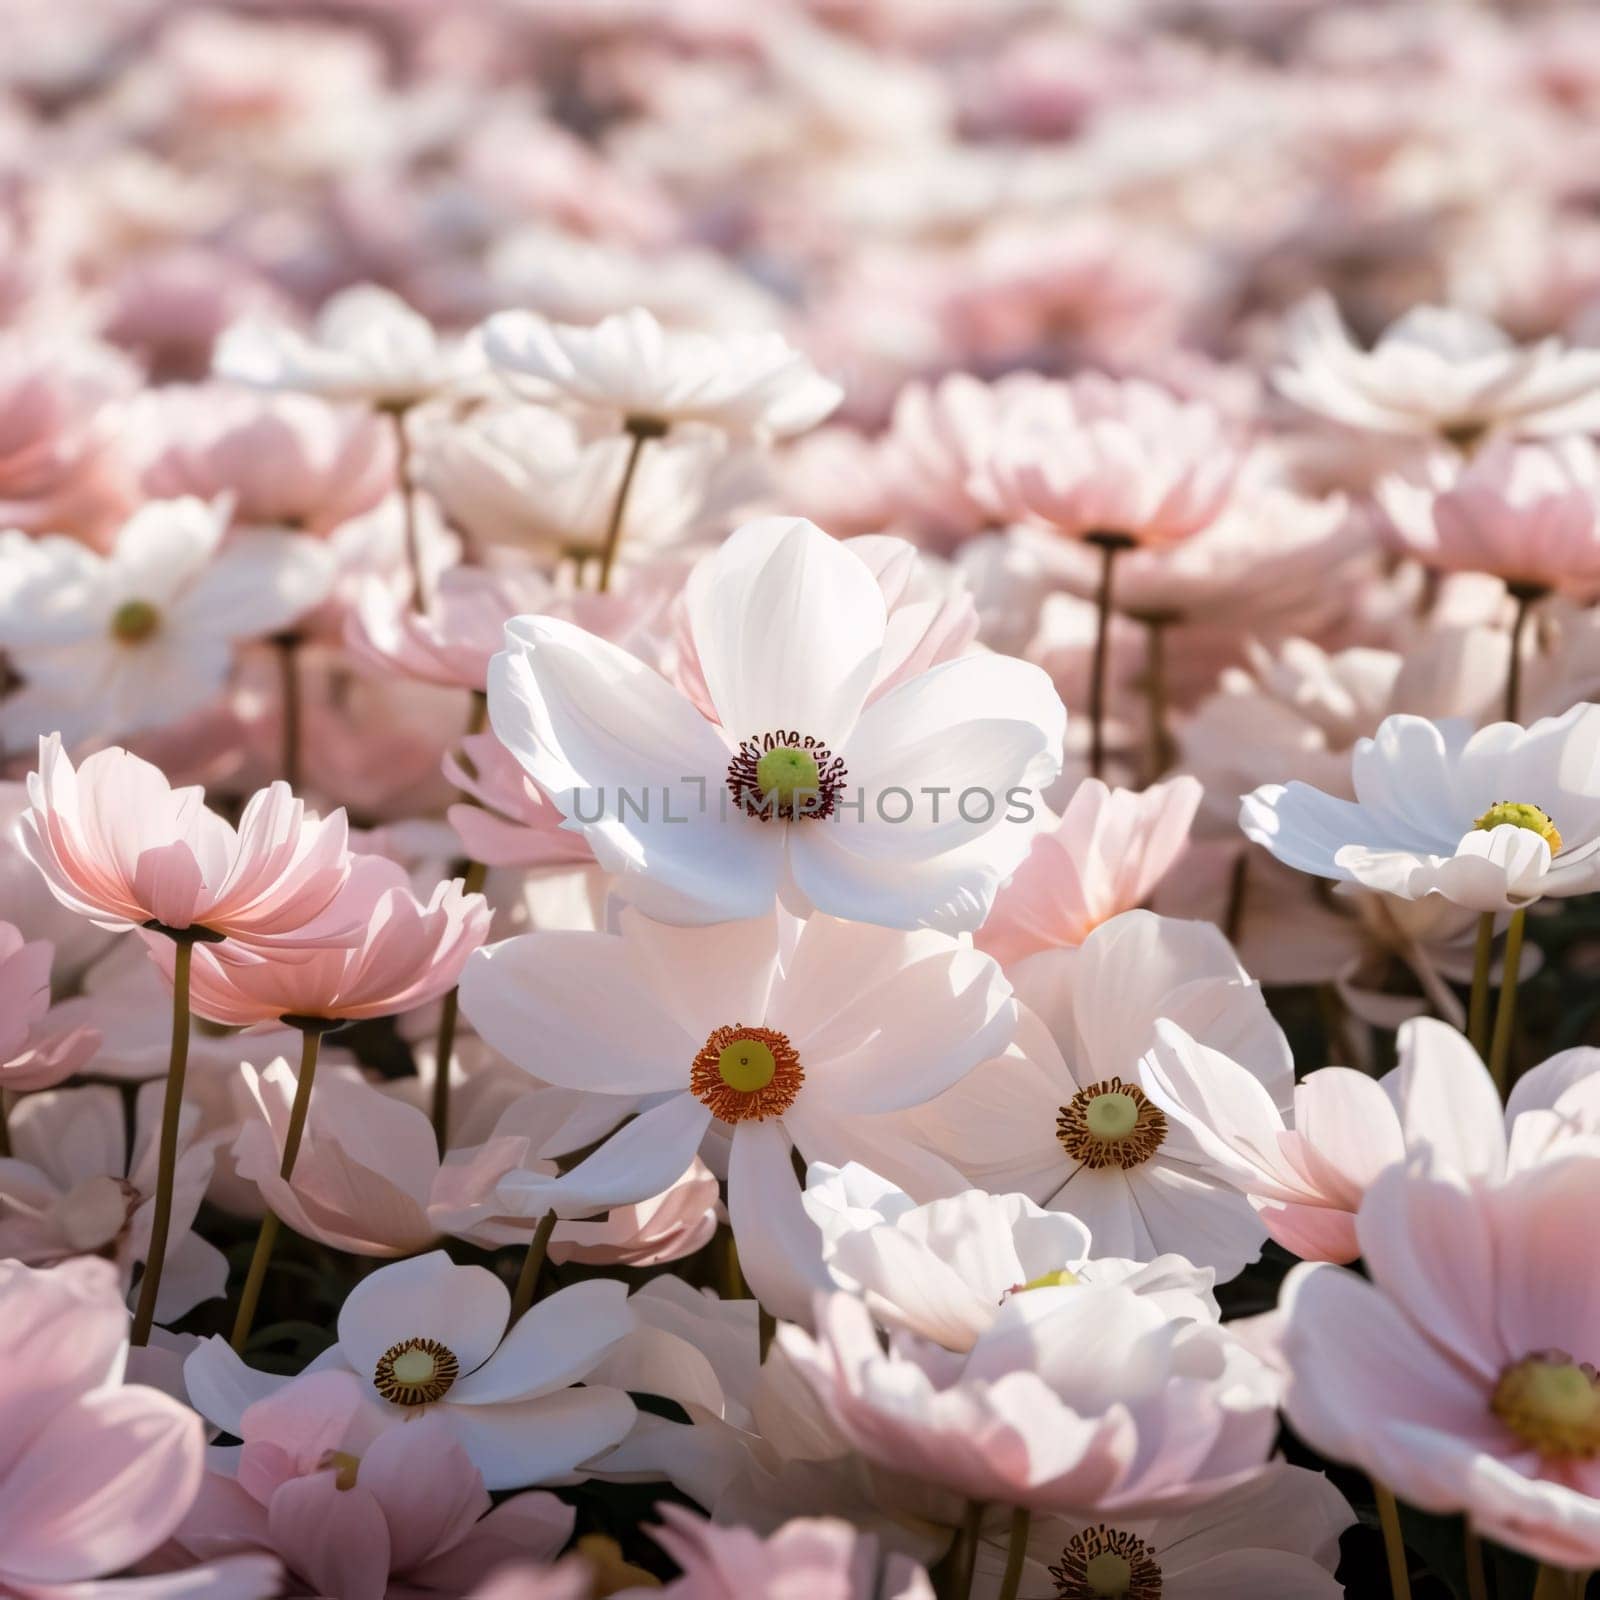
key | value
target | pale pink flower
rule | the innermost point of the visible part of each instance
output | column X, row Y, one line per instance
column 285, row 460
column 518, row 1398
column 1528, row 513
column 367, row 1178
column 749, row 1037
column 94, row 1474
column 404, row 953
column 70, row 1188
column 1306, row 1174
column 118, row 844
column 1107, row 854
column 1092, row 1401
column 38, row 1048
column 1437, row 371
column 1277, row 1536
column 360, row 1511
column 821, row 1558
column 667, row 1227
column 943, row 1270
column 1098, row 455
column 1457, row 1372
column 513, row 822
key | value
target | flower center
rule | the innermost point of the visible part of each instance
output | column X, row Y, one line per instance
column 785, row 774
column 1061, row 1278
column 134, row 621
column 746, row 1074
column 1111, row 1124
column 1552, row 1403
column 415, row 1372
column 1102, row 1562
column 1519, row 814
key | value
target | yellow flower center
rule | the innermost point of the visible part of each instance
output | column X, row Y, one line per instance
column 1111, row 1124
column 1107, row 1564
column 1552, row 1403
column 746, row 1074
column 783, row 773
column 134, row 621
column 1061, row 1278
column 1519, row 814
column 416, row 1372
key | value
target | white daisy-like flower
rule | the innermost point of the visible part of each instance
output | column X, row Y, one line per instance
column 629, row 366
column 907, row 809
column 1491, row 820
column 366, row 344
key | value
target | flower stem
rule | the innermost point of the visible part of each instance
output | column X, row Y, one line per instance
column 1525, row 596
column 733, row 1284
column 1557, row 1583
column 408, row 506
column 144, row 1315
column 961, row 1559
column 528, row 1279
column 639, row 430
column 1477, row 1584
column 288, row 647
column 1110, row 544
column 267, row 1238
column 1505, row 1015
column 449, row 1014
column 1016, row 1554
column 1393, row 1545
column 1478, row 1009
column 5, row 1127
column 1155, row 689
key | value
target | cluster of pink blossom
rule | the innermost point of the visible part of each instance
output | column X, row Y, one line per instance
column 799, row 800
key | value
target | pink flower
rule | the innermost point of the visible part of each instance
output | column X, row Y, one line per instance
column 1110, row 850
column 822, row 1558
column 668, row 1227
column 93, row 1475
column 1094, row 1400
column 38, row 1048
column 405, row 954
column 70, row 1189
column 1528, row 513
column 1458, row 1374
column 287, row 460
column 367, row 1178
column 514, row 823
column 361, row 1512
column 1307, row 1182
column 1101, row 456
column 118, row 844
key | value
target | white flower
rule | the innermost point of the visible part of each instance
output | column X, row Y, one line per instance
column 901, row 812
column 748, row 1038
column 1438, row 371
column 366, row 344
column 108, row 646
column 943, row 1270
column 428, row 1335
column 630, row 366
column 1067, row 1119
column 1490, row 820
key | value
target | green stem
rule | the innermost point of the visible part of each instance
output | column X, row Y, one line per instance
column 1525, row 597
column 1506, row 1013
column 1557, row 1583
column 144, row 1315
column 1477, row 1584
column 1393, row 1544
column 639, row 430
column 5, row 1127
column 1478, row 1009
column 1155, row 688
column 289, row 700
column 961, row 1560
column 267, row 1237
column 1110, row 544
column 1016, row 1553
column 408, row 506
column 733, row 1284
column 449, row 1015
column 528, row 1278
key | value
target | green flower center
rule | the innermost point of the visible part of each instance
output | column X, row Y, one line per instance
column 1112, row 1116
column 783, row 773
column 746, row 1065
column 134, row 621
column 1061, row 1278
column 1102, row 1563
column 1551, row 1402
column 1519, row 814
column 1108, row 1574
